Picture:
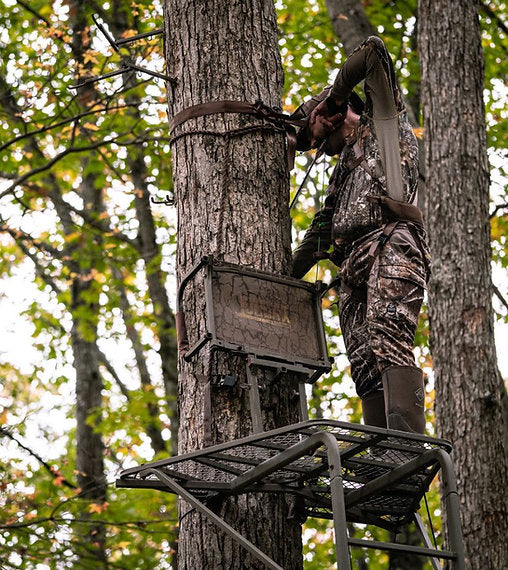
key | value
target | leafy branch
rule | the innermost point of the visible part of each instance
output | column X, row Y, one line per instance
column 55, row 473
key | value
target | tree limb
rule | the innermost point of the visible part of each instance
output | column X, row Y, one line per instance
column 107, row 364
column 62, row 123
column 498, row 294
column 497, row 208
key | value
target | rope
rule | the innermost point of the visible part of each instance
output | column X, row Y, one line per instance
column 300, row 188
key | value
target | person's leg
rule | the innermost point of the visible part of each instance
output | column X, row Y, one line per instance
column 364, row 369
column 395, row 296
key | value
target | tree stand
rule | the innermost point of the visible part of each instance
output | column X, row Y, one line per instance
column 336, row 470
column 339, row 471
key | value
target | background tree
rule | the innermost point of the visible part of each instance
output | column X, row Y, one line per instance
column 471, row 406
column 92, row 250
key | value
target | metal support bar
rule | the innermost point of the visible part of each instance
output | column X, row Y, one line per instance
column 392, row 477
column 397, row 547
column 129, row 40
column 450, row 495
column 337, row 490
column 254, row 401
column 451, row 500
column 426, row 540
column 187, row 277
column 229, row 530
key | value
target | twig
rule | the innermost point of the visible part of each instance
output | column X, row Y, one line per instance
column 498, row 294
column 497, row 208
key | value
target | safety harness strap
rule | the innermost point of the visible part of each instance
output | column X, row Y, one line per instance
column 226, row 106
column 278, row 121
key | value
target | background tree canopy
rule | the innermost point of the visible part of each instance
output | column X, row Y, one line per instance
column 88, row 361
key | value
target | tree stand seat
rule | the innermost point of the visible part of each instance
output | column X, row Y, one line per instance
column 339, row 471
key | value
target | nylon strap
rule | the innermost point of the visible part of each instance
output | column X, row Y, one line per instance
column 226, row 106
column 360, row 293
column 259, row 109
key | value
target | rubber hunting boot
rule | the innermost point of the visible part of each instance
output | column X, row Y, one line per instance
column 404, row 398
column 373, row 409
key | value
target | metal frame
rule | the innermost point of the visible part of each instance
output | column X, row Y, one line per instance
column 313, row 368
column 337, row 470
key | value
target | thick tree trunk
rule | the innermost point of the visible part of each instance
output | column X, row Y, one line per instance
column 469, row 392
column 232, row 199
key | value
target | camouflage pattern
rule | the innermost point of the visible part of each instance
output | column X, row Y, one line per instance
column 266, row 316
column 354, row 215
column 380, row 333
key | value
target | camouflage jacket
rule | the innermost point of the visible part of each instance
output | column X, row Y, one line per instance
column 372, row 162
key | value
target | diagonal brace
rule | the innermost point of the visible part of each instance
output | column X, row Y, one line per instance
column 229, row 530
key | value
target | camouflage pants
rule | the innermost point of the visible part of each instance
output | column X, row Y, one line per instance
column 379, row 333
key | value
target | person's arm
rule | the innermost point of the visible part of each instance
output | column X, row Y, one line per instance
column 372, row 62
column 304, row 138
column 318, row 238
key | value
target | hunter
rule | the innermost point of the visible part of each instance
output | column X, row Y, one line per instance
column 375, row 230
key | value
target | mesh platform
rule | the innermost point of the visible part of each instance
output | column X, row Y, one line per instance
column 384, row 473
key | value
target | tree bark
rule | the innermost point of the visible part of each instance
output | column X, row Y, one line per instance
column 350, row 22
column 470, row 395
column 232, row 201
column 84, row 308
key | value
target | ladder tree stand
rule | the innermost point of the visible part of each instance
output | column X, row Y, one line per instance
column 343, row 472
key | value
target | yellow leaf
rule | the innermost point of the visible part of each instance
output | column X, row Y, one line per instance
column 128, row 33
column 97, row 508
column 91, row 126
column 90, row 57
column 418, row 131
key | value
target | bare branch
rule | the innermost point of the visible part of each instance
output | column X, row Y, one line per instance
column 21, row 235
column 39, row 269
column 497, row 208
column 491, row 14
column 107, row 364
column 62, row 123
column 75, row 150
column 498, row 294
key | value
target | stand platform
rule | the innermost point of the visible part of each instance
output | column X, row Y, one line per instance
column 340, row 471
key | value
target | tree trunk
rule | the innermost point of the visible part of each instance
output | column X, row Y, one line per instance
column 155, row 276
column 84, row 308
column 232, row 199
column 350, row 22
column 470, row 395
column 149, row 250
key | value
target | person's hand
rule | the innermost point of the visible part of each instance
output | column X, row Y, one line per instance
column 321, row 123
